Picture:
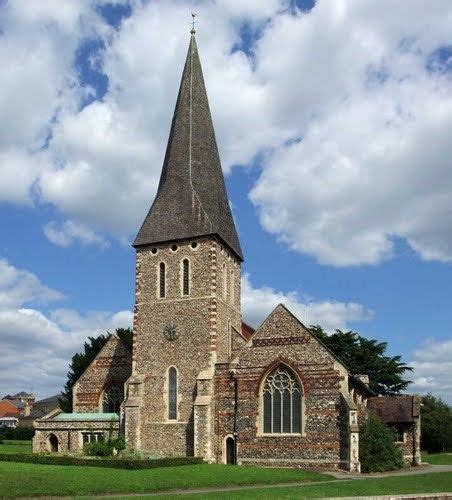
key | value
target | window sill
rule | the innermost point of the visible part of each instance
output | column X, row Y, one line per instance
column 282, row 434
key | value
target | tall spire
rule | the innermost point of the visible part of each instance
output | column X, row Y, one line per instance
column 191, row 198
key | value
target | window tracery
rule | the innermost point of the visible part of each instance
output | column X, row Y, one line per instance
column 281, row 403
column 113, row 397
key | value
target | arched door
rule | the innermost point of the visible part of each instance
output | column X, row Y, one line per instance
column 53, row 443
column 230, row 450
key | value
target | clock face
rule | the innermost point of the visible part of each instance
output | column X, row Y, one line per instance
column 170, row 331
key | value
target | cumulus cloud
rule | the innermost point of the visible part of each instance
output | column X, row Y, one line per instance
column 69, row 231
column 18, row 287
column 349, row 105
column 432, row 365
column 37, row 346
column 257, row 304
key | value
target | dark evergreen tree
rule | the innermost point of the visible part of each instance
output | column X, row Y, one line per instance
column 377, row 448
column 436, row 425
column 81, row 361
column 367, row 356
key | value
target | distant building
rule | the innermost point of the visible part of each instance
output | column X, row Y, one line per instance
column 39, row 409
column 9, row 414
column 20, row 400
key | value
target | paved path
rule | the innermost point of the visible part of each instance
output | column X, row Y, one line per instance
column 422, row 469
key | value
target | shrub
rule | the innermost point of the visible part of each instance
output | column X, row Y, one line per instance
column 19, row 433
column 105, row 448
column 118, row 463
column 377, row 450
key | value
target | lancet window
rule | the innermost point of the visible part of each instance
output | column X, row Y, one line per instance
column 172, row 393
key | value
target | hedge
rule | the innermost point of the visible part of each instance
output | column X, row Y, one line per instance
column 20, row 433
column 118, row 463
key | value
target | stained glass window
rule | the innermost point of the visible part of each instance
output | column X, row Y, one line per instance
column 281, row 403
column 172, row 393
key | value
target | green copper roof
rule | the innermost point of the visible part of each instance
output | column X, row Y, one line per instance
column 87, row 416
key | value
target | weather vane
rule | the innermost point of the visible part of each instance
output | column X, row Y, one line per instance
column 193, row 15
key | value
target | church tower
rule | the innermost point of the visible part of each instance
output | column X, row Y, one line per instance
column 187, row 297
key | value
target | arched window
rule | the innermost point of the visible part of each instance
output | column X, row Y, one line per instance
column 162, row 280
column 113, row 397
column 172, row 393
column 281, row 395
column 185, row 277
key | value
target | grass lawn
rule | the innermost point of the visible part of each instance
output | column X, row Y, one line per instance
column 436, row 482
column 21, row 479
column 12, row 447
column 437, row 458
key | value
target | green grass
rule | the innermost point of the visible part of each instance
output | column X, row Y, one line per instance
column 13, row 447
column 20, row 479
column 436, row 482
column 437, row 458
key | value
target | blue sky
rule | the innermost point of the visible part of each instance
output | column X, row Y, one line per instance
column 333, row 135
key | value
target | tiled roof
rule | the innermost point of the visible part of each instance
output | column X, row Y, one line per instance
column 51, row 399
column 191, row 199
column 402, row 408
column 8, row 408
column 247, row 331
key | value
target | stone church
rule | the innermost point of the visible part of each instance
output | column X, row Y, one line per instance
column 200, row 381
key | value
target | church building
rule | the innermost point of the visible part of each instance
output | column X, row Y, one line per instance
column 199, row 381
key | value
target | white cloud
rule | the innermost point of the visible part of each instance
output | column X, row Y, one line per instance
column 432, row 365
column 69, row 231
column 257, row 304
column 39, row 40
column 354, row 126
column 19, row 287
column 372, row 163
column 37, row 346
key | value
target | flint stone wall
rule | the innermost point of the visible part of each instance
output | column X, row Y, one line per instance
column 113, row 364
column 282, row 339
column 201, row 319
column 69, row 434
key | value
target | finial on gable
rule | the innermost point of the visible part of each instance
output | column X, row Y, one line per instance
column 193, row 15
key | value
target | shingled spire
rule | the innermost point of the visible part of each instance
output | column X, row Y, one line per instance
column 191, row 199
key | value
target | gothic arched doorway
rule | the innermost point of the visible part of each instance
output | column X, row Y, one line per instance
column 230, row 450
column 53, row 443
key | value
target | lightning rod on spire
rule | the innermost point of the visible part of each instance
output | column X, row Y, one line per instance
column 193, row 15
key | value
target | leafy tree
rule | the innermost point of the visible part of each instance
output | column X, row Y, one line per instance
column 81, row 361
column 436, row 425
column 367, row 356
column 377, row 450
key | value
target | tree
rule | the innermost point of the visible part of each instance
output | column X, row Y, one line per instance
column 367, row 356
column 436, row 425
column 377, row 450
column 81, row 360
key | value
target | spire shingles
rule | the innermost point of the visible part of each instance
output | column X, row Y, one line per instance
column 191, row 199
